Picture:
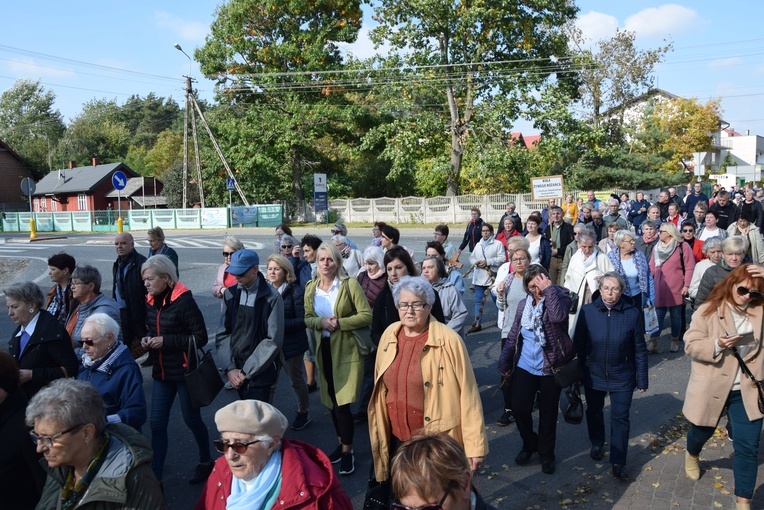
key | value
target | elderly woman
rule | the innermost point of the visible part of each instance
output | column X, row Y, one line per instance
column 435, row 249
column 90, row 464
column 352, row 259
column 373, row 276
column 157, row 246
column 40, row 345
column 507, row 233
column 609, row 340
column 688, row 231
column 744, row 226
column 86, row 285
column 672, row 265
column 537, row 342
column 257, row 462
column 224, row 279
column 281, row 230
column 586, row 267
column 607, row 244
column 727, row 324
column 734, row 251
column 485, row 259
column 454, row 309
column 108, row 365
column 21, row 476
column 335, row 307
column 632, row 266
column 174, row 322
column 649, row 238
column 711, row 228
column 280, row 274
column 540, row 248
column 431, row 471
column 712, row 251
column 423, row 376
column 59, row 301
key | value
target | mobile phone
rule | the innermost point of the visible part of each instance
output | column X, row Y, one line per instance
column 746, row 338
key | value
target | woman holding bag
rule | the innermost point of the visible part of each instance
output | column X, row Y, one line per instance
column 727, row 324
column 174, row 321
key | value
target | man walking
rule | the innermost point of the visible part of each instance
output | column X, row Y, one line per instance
column 129, row 292
column 561, row 235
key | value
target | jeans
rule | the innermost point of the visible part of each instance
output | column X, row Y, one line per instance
column 162, row 397
column 295, row 370
column 524, row 388
column 480, row 292
column 620, row 403
column 747, row 434
column 676, row 320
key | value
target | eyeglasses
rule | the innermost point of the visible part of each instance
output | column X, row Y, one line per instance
column 416, row 306
column 79, row 284
column 286, row 246
column 431, row 506
column 237, row 446
column 335, row 231
column 86, row 341
column 227, row 253
column 437, row 234
column 688, row 230
column 517, row 261
column 47, row 441
column 744, row 291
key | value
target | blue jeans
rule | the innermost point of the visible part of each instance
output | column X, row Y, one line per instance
column 480, row 291
column 746, row 444
column 620, row 403
column 162, row 397
column 676, row 320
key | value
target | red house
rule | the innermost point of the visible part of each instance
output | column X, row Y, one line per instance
column 12, row 172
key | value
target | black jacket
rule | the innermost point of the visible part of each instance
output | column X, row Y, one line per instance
column 295, row 335
column 134, row 315
column 566, row 237
column 472, row 234
column 728, row 213
column 515, row 219
column 176, row 319
column 385, row 313
column 48, row 354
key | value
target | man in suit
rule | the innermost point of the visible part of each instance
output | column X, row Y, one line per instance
column 560, row 234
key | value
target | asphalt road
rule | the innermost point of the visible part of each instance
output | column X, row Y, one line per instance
column 503, row 484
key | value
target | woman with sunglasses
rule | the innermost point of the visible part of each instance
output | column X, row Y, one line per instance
column 729, row 322
column 260, row 469
column 91, row 464
column 224, row 279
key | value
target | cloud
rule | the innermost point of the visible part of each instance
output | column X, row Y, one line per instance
column 185, row 30
column 28, row 67
column 363, row 48
column 596, row 26
column 725, row 62
column 663, row 21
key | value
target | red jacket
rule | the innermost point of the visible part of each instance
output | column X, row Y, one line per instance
column 308, row 481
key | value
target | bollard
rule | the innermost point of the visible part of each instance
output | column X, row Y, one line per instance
column 119, row 224
column 32, row 231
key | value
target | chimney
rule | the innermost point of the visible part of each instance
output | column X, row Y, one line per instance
column 71, row 164
column 96, row 161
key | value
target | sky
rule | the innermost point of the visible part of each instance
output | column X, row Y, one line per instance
column 85, row 50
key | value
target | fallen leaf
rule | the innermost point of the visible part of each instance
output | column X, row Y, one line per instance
column 718, row 505
column 656, row 484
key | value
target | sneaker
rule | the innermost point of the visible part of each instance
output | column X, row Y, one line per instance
column 202, row 472
column 336, row 455
column 474, row 329
column 301, row 421
column 347, row 463
column 506, row 418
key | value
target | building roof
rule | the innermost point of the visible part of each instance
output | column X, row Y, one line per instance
column 639, row 99
column 78, row 180
column 150, row 201
column 134, row 184
column 4, row 147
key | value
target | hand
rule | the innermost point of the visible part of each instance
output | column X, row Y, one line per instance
column 155, row 342
column 542, row 282
column 755, row 270
column 476, row 462
column 330, row 323
column 236, row 378
column 25, row 375
column 685, row 290
column 726, row 342
column 500, row 288
column 642, row 390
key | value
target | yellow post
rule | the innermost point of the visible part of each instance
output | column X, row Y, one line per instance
column 119, row 224
column 32, row 231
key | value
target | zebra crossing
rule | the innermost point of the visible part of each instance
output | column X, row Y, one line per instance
column 14, row 248
column 21, row 248
column 195, row 242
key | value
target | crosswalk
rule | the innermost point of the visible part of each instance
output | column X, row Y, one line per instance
column 142, row 245
column 28, row 248
column 195, row 242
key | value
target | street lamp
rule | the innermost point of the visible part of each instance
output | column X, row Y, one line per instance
column 177, row 47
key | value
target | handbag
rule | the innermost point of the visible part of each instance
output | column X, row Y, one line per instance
column 569, row 373
column 573, row 411
column 362, row 335
column 759, row 384
column 203, row 381
column 573, row 302
column 651, row 320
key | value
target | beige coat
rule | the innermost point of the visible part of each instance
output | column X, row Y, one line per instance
column 576, row 275
column 712, row 377
column 451, row 395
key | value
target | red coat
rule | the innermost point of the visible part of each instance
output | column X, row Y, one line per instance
column 308, row 481
column 502, row 238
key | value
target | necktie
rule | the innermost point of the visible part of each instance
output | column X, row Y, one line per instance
column 24, row 342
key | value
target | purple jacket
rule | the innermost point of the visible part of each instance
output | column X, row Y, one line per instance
column 559, row 347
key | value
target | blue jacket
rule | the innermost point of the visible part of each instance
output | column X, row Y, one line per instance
column 635, row 217
column 117, row 378
column 295, row 335
column 611, row 345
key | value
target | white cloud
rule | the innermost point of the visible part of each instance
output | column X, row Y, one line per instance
column 185, row 30
column 596, row 26
column 28, row 67
column 663, row 21
column 725, row 62
column 363, row 48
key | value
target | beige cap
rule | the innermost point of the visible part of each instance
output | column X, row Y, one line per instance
column 251, row 417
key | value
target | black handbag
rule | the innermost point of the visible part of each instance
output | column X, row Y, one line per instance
column 573, row 302
column 203, row 380
column 573, row 410
column 569, row 373
column 759, row 384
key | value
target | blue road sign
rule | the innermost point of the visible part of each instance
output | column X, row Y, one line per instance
column 119, row 180
column 320, row 201
column 230, row 184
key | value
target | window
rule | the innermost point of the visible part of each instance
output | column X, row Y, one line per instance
column 37, row 204
column 82, row 202
column 53, row 205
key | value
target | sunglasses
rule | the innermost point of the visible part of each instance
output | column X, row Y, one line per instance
column 86, row 341
column 744, row 291
column 431, row 506
column 335, row 232
column 237, row 446
column 688, row 230
column 286, row 246
column 227, row 253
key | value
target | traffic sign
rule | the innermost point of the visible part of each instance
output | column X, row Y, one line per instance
column 28, row 186
column 319, row 183
column 119, row 180
column 230, row 184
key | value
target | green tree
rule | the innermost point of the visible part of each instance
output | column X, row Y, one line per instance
column 96, row 132
column 30, row 125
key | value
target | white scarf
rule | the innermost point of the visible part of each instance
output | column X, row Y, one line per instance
column 586, row 262
column 531, row 319
column 662, row 253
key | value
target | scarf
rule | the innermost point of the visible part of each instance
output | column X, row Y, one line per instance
column 662, row 253
column 642, row 269
column 263, row 493
column 57, row 306
column 72, row 492
column 161, row 251
column 648, row 240
column 381, row 272
column 531, row 319
column 104, row 363
column 586, row 262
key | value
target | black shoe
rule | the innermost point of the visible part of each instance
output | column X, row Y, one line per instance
column 347, row 463
column 336, row 455
column 547, row 467
column 202, row 472
column 312, row 387
column 619, row 472
column 475, row 329
column 506, row 418
column 301, row 421
column 523, row 457
column 361, row 416
column 596, row 453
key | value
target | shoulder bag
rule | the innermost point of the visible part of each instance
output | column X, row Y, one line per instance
column 759, row 384
column 567, row 374
column 203, row 380
column 362, row 335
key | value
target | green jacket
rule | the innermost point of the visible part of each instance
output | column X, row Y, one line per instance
column 352, row 310
column 125, row 480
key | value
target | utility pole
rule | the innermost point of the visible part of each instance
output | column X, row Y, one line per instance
column 185, row 142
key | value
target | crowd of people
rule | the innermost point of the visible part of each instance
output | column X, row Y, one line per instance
column 581, row 290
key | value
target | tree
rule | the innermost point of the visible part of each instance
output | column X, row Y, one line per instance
column 465, row 53
column 30, row 125
column 97, row 132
